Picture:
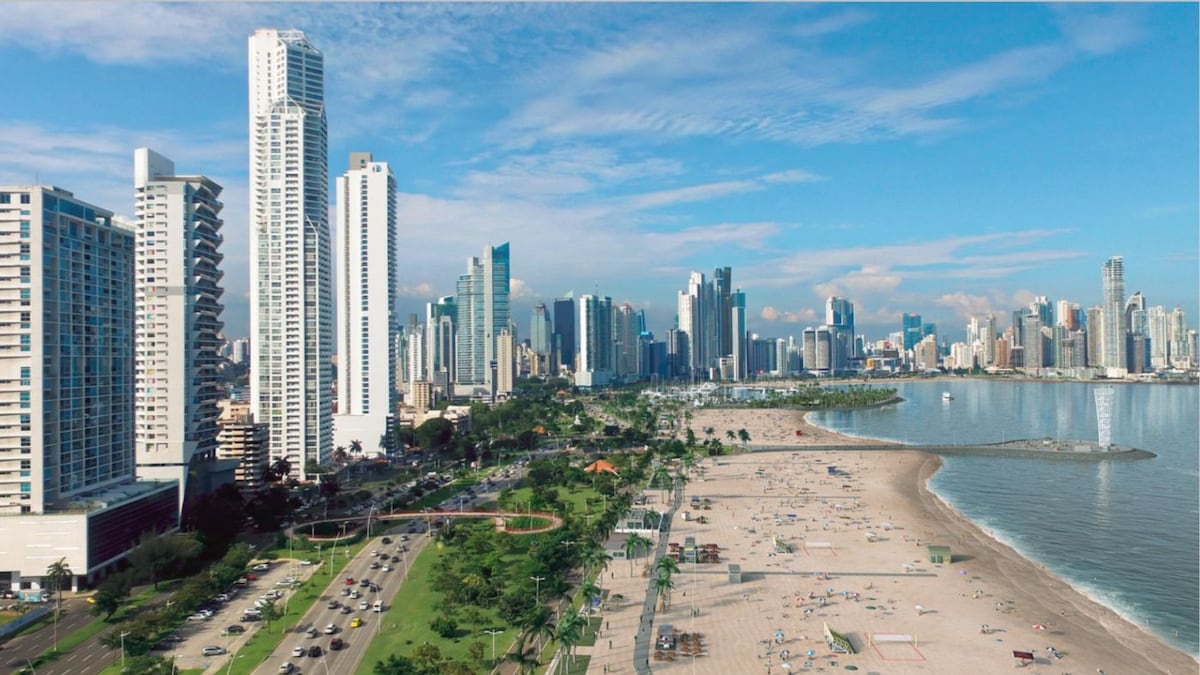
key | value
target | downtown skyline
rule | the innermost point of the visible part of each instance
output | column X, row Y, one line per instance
column 1016, row 149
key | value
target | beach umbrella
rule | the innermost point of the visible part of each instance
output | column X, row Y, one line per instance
column 1038, row 626
column 810, row 653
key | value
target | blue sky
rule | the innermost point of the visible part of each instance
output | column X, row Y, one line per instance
column 945, row 159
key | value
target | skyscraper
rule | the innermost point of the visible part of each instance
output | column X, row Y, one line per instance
column 595, row 341
column 291, row 305
column 722, row 290
column 67, row 434
column 539, row 339
column 1113, row 317
column 482, row 314
column 564, row 332
column 911, row 326
column 737, row 322
column 178, row 329
column 367, row 251
column 839, row 316
column 441, row 341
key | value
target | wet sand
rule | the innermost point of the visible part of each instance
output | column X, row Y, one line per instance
column 789, row 496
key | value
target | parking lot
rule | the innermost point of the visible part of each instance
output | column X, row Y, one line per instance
column 197, row 634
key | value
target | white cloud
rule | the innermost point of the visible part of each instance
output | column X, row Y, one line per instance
column 423, row 290
column 965, row 305
column 518, row 289
column 772, row 315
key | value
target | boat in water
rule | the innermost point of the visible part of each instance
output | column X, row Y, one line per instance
column 946, row 396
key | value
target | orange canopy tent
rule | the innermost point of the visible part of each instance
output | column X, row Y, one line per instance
column 600, row 465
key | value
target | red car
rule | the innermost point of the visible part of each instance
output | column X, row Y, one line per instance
column 349, row 581
column 251, row 577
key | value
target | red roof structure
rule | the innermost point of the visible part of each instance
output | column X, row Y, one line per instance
column 600, row 465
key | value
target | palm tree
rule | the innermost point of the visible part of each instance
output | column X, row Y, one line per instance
column 744, row 436
column 633, row 547
column 730, row 435
column 662, row 588
column 525, row 659
column 356, row 447
column 590, row 591
column 569, row 630
column 666, row 566
column 535, row 624
column 56, row 574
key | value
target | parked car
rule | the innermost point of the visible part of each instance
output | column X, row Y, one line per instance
column 235, row 629
column 261, row 567
column 212, row 651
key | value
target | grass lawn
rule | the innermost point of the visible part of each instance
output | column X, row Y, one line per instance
column 404, row 630
column 578, row 498
column 576, row 665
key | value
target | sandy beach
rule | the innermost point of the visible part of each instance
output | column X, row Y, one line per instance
column 849, row 549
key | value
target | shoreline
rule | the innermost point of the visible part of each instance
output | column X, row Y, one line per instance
column 1078, row 621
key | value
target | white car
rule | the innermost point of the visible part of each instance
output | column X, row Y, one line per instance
column 285, row 668
column 299, row 651
column 261, row 567
column 387, row 568
column 363, row 604
column 330, row 629
column 212, row 651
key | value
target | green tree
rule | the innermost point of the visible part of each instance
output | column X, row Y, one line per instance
column 396, row 665
column 662, row 589
column 477, row 652
column 569, row 630
column 633, row 548
column 427, row 656
column 112, row 594
column 58, row 573
column 526, row 660
column 744, row 436
column 270, row 613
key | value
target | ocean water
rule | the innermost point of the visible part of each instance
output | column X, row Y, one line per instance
column 1127, row 534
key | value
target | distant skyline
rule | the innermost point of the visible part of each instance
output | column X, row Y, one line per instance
column 942, row 159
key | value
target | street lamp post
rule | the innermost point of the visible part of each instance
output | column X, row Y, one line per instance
column 123, row 634
column 537, row 588
column 494, row 632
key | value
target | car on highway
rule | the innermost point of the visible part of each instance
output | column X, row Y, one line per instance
column 364, row 582
column 333, row 604
column 375, row 565
column 286, row 668
column 212, row 651
column 355, row 622
column 299, row 650
column 314, row 650
column 387, row 568
column 345, row 590
column 331, row 629
column 235, row 629
column 336, row 644
column 346, row 609
column 363, row 604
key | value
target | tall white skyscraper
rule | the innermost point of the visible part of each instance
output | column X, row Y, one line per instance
column 178, row 329
column 737, row 322
column 595, row 341
column 482, row 314
column 1114, row 327
column 367, row 253
column 291, row 304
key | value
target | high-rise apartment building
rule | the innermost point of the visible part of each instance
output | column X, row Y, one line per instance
column 737, row 322
column 839, row 316
column 722, row 291
column 1113, row 318
column 506, row 363
column 67, row 434
column 243, row 440
column 441, row 342
column 367, row 251
column 291, row 303
column 178, row 328
column 596, row 353
column 625, row 342
column 482, row 314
